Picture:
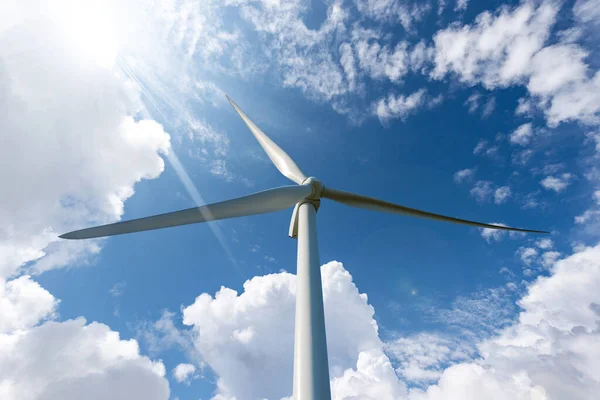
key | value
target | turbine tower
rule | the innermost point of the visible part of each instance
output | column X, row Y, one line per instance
column 311, row 370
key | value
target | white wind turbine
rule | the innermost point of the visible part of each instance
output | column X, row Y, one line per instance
column 311, row 370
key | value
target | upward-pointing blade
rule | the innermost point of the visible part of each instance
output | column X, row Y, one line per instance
column 280, row 158
column 357, row 200
column 258, row 203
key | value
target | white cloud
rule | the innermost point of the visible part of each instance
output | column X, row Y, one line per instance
column 479, row 314
column 489, row 107
column 184, row 373
column 424, row 356
column 348, row 64
column 587, row 216
column 544, row 244
column 527, row 254
column 77, row 139
column 596, row 196
column 392, row 11
column 480, row 147
column 548, row 258
column 522, row 135
column 507, row 48
column 508, row 272
column 163, row 334
column 551, row 352
column 464, row 175
column 461, row 5
column 522, row 157
column 502, row 194
column 497, row 49
column 399, row 106
column 549, row 169
column 482, row 191
column 473, row 102
column 372, row 378
column 69, row 124
column 587, row 11
column 483, row 148
column 297, row 51
column 524, row 107
column 557, row 183
column 24, row 303
column 491, row 235
column 382, row 62
column 74, row 360
column 117, row 290
column 259, row 365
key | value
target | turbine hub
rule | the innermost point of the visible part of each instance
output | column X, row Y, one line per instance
column 317, row 187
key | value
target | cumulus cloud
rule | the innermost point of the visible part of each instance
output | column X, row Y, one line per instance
column 74, row 360
column 70, row 125
column 184, row 373
column 464, row 175
column 502, row 194
column 77, row 140
column 24, row 303
column 557, row 183
column 522, row 135
column 548, row 258
column 527, row 255
column 524, row 107
column 491, row 235
column 247, row 338
column 496, row 49
column 545, row 243
column 507, row 48
column 482, row 191
column 550, row 352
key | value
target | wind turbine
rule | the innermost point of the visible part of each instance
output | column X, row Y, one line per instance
column 311, row 370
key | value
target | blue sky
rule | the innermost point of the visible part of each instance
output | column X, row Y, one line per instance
column 481, row 110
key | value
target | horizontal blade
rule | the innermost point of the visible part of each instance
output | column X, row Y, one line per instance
column 369, row 203
column 280, row 158
column 258, row 203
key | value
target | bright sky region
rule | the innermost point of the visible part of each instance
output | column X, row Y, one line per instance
column 116, row 110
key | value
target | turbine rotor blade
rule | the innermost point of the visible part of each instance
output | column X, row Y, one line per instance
column 370, row 203
column 283, row 162
column 258, row 203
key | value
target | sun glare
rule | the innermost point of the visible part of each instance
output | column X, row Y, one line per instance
column 91, row 27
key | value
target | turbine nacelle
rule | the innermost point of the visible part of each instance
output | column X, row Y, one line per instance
column 313, row 198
